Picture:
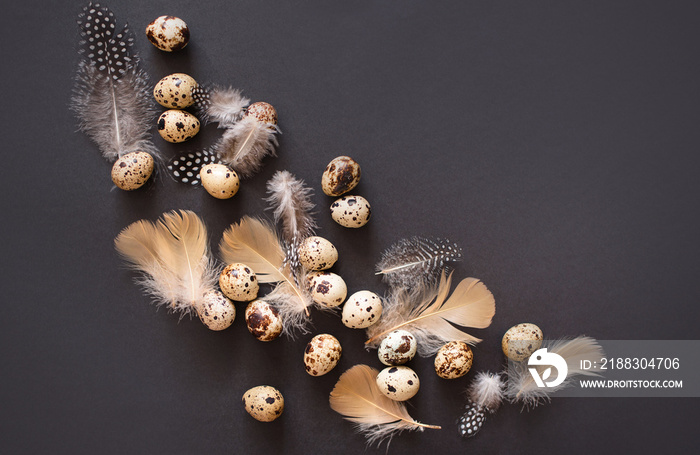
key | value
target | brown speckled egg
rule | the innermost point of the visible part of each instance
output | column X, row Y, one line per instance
column 262, row 112
column 168, row 33
column 327, row 288
column 521, row 340
column 361, row 310
column 238, row 282
column 453, row 360
column 317, row 253
column 341, row 175
column 263, row 403
column 263, row 320
column 322, row 354
column 399, row 383
column 351, row 211
column 132, row 170
column 175, row 91
column 397, row 348
column 216, row 311
column 219, row 180
column 177, row 126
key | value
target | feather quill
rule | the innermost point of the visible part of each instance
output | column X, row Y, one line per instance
column 111, row 97
column 173, row 256
column 357, row 398
column 521, row 387
column 255, row 243
column 430, row 314
column 416, row 261
column 246, row 143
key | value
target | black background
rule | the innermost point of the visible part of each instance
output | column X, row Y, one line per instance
column 555, row 141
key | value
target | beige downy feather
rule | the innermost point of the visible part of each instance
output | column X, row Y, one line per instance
column 255, row 243
column 173, row 255
column 521, row 387
column 358, row 399
column 430, row 315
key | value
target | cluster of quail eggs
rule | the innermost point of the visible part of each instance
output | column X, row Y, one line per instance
column 340, row 177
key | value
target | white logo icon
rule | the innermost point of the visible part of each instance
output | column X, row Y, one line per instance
column 542, row 357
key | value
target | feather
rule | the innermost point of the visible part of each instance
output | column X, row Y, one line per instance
column 255, row 243
column 521, row 386
column 173, row 256
column 245, row 144
column 430, row 315
column 224, row 106
column 485, row 395
column 111, row 97
column 357, row 398
column 416, row 261
column 185, row 168
column 291, row 200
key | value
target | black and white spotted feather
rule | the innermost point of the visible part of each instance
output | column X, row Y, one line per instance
column 485, row 395
column 111, row 96
column 416, row 261
column 185, row 168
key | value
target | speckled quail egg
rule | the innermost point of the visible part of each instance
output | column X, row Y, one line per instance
column 317, row 253
column 216, row 311
column 262, row 112
column 238, row 282
column 453, row 360
column 341, row 175
column 132, row 170
column 361, row 310
column 175, row 91
column 351, row 211
column 397, row 348
column 177, row 126
column 264, row 403
column 168, row 33
column 263, row 320
column 219, row 180
column 521, row 340
column 327, row 288
column 399, row 383
column 322, row 354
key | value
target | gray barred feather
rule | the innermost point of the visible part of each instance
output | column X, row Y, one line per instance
column 245, row 144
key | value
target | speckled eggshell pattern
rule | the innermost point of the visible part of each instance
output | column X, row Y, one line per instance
column 317, row 253
column 351, row 211
column 238, row 282
column 219, row 180
column 263, row 320
column 341, row 175
column 361, row 310
column 216, row 311
column 175, row 91
column 177, row 126
column 521, row 340
column 132, row 170
column 397, row 348
column 322, row 354
column 453, row 360
column 262, row 112
column 327, row 288
column 168, row 33
column 264, row 403
column 399, row 383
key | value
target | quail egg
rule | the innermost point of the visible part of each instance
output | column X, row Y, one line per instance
column 216, row 311
column 317, row 253
column 397, row 348
column 264, row 403
column 263, row 320
column 177, row 126
column 262, row 112
column 341, row 175
column 399, row 383
column 453, row 360
column 361, row 310
column 322, row 354
column 132, row 170
column 168, row 33
column 219, row 180
column 238, row 282
column 521, row 340
column 351, row 211
column 175, row 91
column 327, row 288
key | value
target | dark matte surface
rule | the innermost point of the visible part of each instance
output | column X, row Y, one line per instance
column 555, row 141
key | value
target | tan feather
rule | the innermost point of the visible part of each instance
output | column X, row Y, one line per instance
column 173, row 255
column 358, row 399
column 430, row 315
column 255, row 243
